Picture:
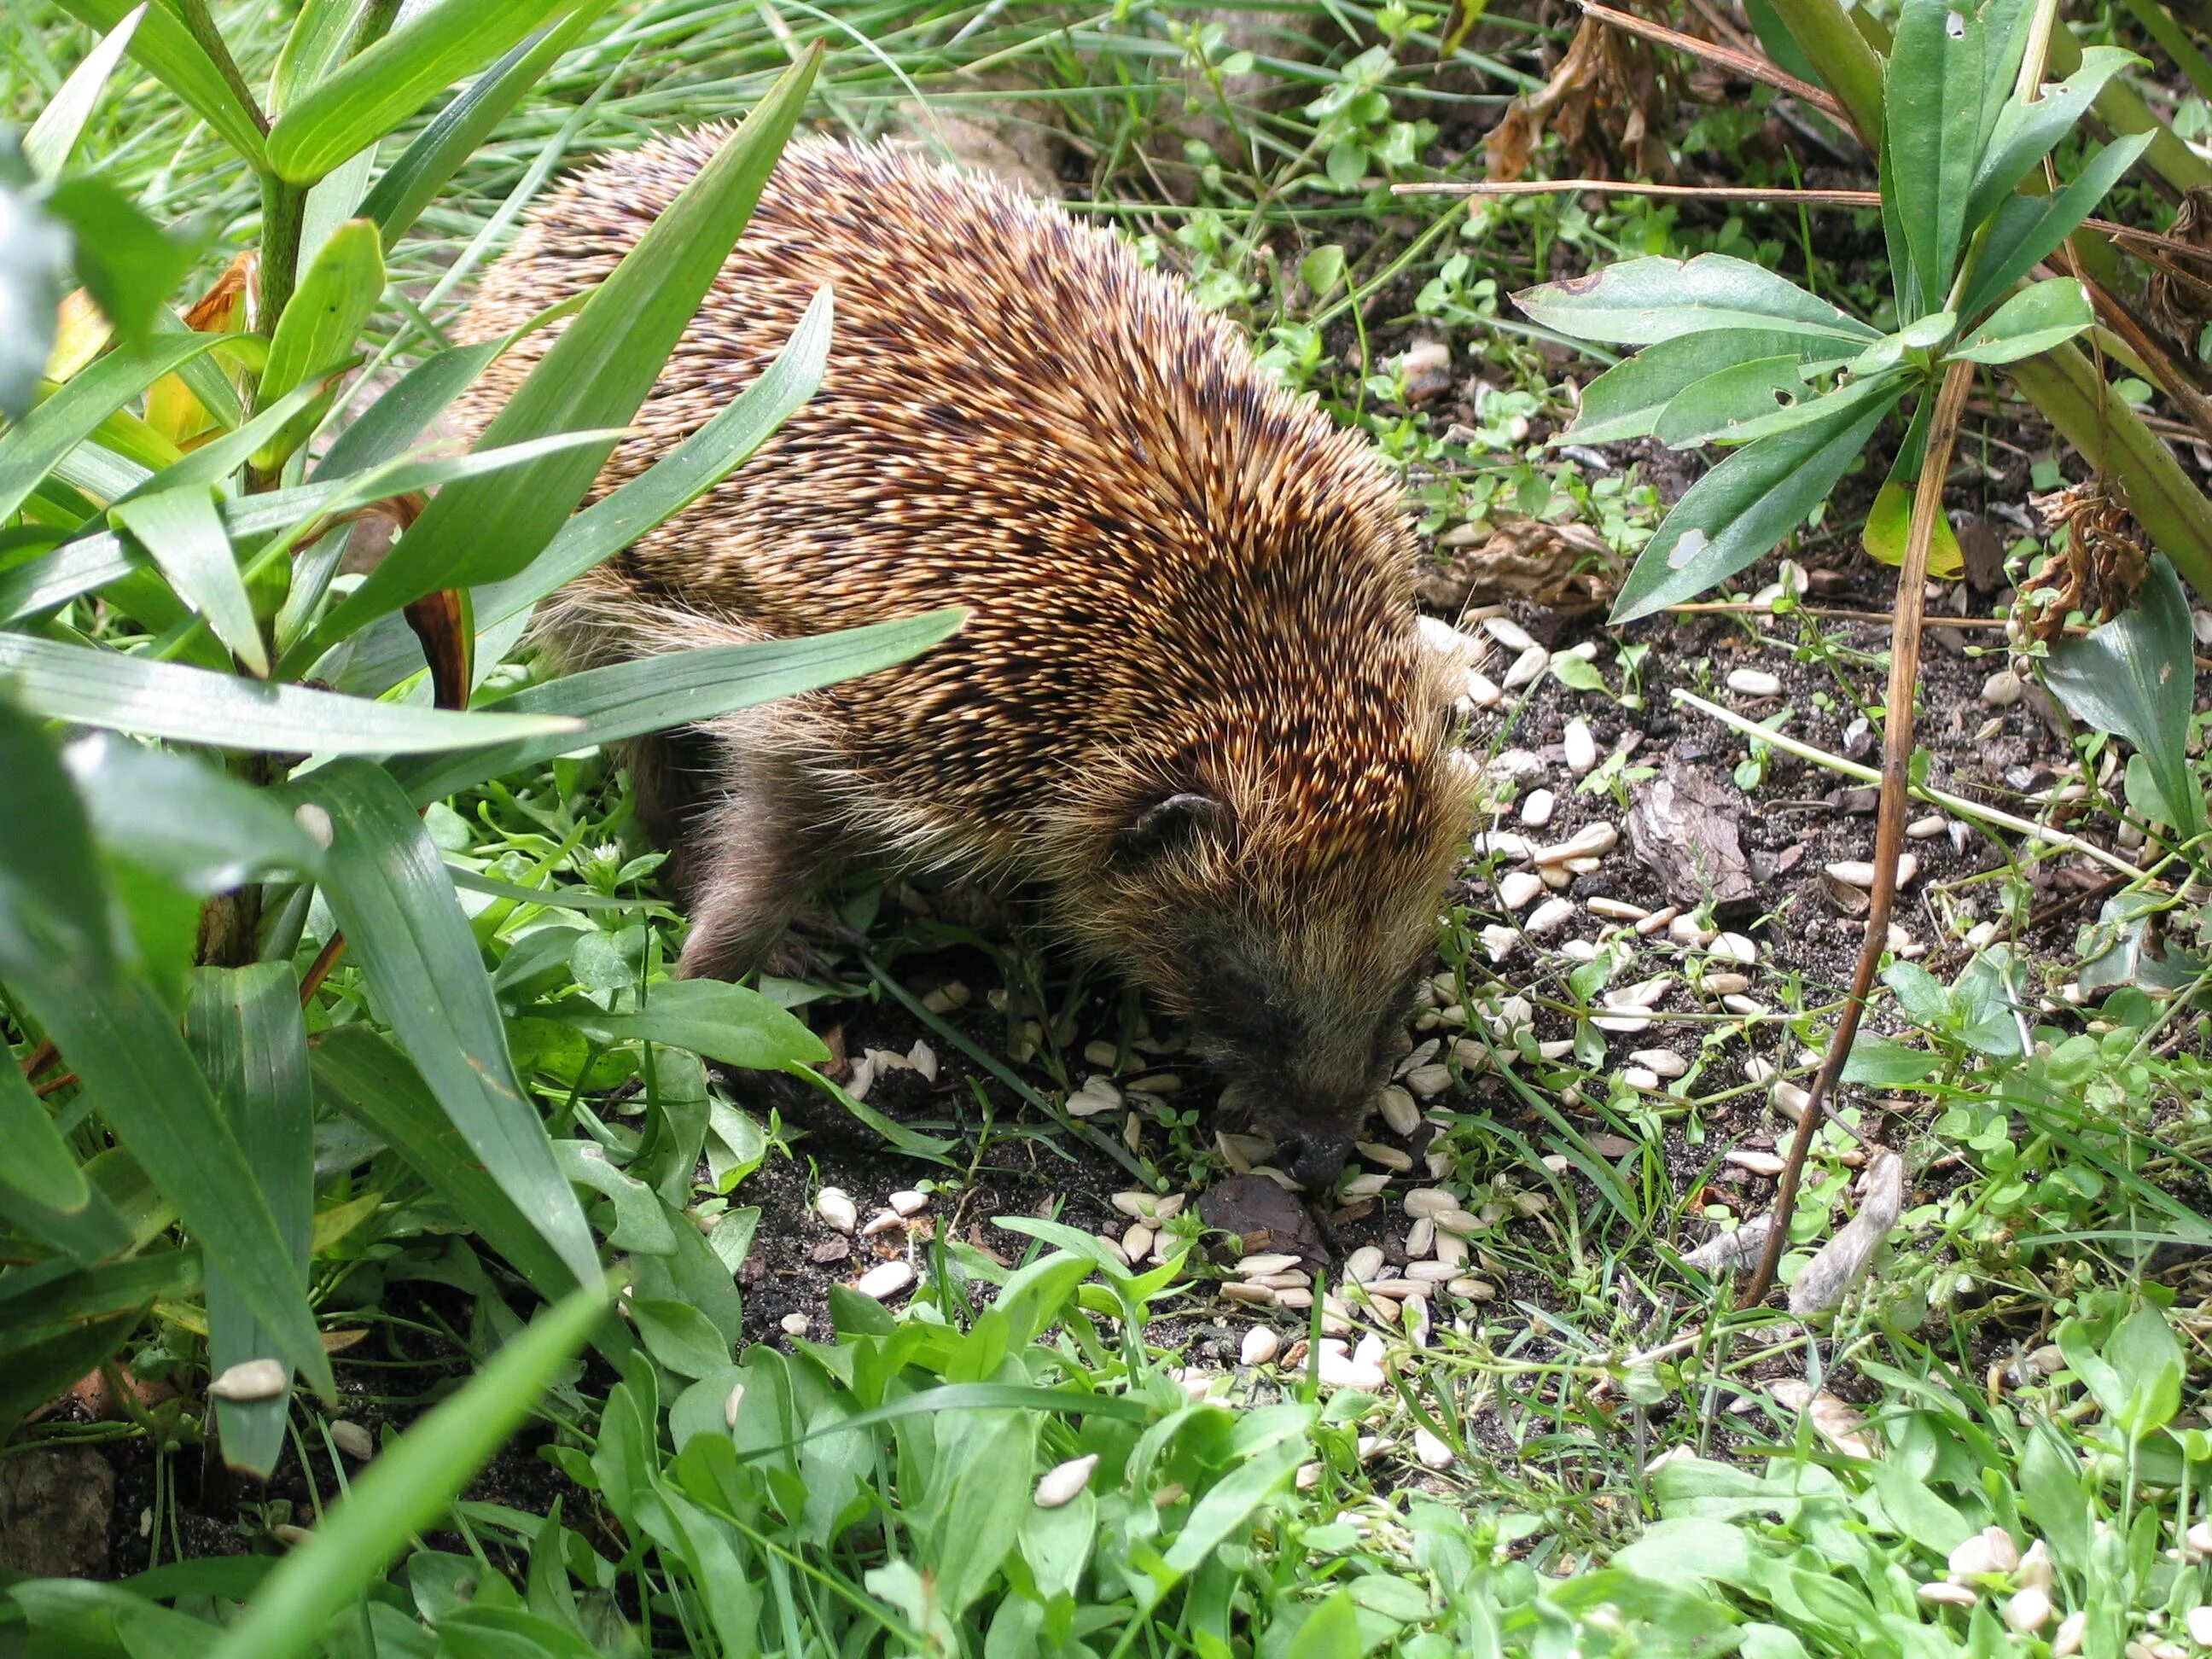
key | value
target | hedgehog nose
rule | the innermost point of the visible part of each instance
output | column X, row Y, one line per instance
column 1315, row 1160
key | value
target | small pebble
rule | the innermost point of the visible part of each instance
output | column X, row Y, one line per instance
column 793, row 1324
column 1507, row 632
column 1859, row 872
column 2029, row 1610
column 885, row 1281
column 1581, row 745
column 1064, row 1482
column 251, row 1380
column 1754, row 682
column 1399, row 1110
column 1527, row 668
column 355, row 1441
column 1147, row 1206
column 1947, row 1596
column 1432, row 1452
column 1518, row 888
column 1549, row 917
column 2002, row 690
column 1536, row 809
column 835, row 1207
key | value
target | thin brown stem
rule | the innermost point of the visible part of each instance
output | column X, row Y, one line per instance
column 1750, row 65
column 1889, row 819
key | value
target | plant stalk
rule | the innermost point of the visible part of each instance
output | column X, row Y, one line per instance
column 1889, row 818
column 200, row 22
column 1846, row 62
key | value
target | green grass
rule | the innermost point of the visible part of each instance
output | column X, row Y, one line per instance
column 1620, row 1472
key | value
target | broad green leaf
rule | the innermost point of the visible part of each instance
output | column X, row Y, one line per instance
column 2136, row 1376
column 1932, row 112
column 165, row 47
column 2037, row 318
column 2025, row 133
column 387, row 886
column 718, row 1021
column 1642, row 302
column 184, row 533
column 120, row 693
column 319, row 328
column 358, row 103
column 2136, row 675
column 2027, row 229
column 244, row 1028
column 630, row 699
column 596, row 374
column 1930, row 331
column 53, row 900
column 29, row 450
column 387, row 651
column 47, row 145
column 1889, row 525
column 408, row 1487
column 2006, row 26
column 411, row 183
column 1625, row 401
column 359, row 1074
column 1708, row 409
column 130, row 264
column 1744, row 506
column 42, row 1189
column 314, row 45
column 34, row 269
column 1884, row 1063
column 184, row 819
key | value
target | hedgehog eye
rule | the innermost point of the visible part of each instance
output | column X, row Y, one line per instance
column 1174, row 822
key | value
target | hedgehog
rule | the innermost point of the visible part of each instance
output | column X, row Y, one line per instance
column 1190, row 710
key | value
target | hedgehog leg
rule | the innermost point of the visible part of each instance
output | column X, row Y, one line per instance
column 748, row 860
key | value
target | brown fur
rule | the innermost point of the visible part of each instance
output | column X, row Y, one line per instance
column 1185, row 586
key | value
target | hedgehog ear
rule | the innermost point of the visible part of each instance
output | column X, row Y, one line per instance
column 1171, row 822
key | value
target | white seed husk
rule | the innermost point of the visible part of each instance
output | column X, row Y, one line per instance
column 1432, row 1452
column 835, row 1207
column 885, row 1281
column 252, row 1379
column 1754, row 682
column 1064, row 1482
column 355, row 1441
column 1260, row 1346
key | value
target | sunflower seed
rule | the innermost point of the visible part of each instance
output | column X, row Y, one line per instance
column 1754, row 682
column 1064, row 1482
column 885, row 1281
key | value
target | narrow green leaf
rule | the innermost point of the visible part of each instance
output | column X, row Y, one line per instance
column 1745, row 506
column 1932, row 103
column 314, row 45
column 53, row 901
column 184, row 819
column 184, row 533
column 359, row 1073
column 2034, row 319
column 120, row 693
column 319, row 328
column 214, row 461
column 387, row 651
column 628, row 700
column 165, row 47
column 34, row 271
column 47, row 145
column 1625, row 401
column 596, row 373
column 369, row 95
column 42, row 1189
column 408, row 1487
column 2136, row 675
column 2027, row 229
column 29, row 450
column 411, row 183
column 128, row 264
column 387, row 886
column 1642, row 301
column 244, row 1028
column 2025, row 133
